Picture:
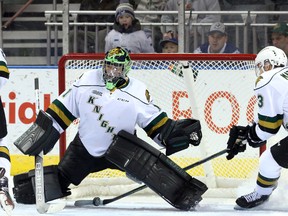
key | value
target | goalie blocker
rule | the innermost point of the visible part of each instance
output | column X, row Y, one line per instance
column 41, row 136
column 156, row 170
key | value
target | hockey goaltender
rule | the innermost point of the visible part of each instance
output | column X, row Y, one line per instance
column 110, row 105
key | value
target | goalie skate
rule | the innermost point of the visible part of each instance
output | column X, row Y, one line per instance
column 6, row 201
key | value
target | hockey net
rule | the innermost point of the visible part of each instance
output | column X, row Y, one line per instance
column 218, row 91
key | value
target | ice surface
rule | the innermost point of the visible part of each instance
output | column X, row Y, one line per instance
column 149, row 205
column 153, row 205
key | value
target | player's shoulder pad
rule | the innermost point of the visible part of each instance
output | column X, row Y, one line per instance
column 267, row 78
column 2, row 56
column 92, row 77
column 138, row 89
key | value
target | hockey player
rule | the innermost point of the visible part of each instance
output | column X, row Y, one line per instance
column 107, row 102
column 271, row 91
column 5, row 165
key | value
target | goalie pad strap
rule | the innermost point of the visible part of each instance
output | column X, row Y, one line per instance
column 157, row 171
column 41, row 136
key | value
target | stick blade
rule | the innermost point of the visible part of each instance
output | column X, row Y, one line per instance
column 42, row 209
column 6, row 205
column 55, row 207
column 50, row 208
column 80, row 203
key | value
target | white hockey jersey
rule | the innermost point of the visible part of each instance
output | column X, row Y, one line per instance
column 104, row 113
column 4, row 76
column 271, row 90
column 4, row 72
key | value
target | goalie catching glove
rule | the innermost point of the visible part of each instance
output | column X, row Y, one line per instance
column 239, row 136
column 177, row 135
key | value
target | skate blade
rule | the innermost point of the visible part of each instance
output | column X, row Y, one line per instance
column 256, row 208
column 6, row 205
column 236, row 207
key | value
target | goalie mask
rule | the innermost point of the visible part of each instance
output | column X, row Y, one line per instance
column 117, row 64
column 269, row 58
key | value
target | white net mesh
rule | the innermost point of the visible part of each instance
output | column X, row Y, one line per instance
column 222, row 96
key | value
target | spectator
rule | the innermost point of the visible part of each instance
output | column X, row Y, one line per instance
column 127, row 32
column 203, row 5
column 169, row 45
column 152, row 5
column 217, row 41
column 280, row 37
column 246, row 5
column 92, row 5
column 280, row 5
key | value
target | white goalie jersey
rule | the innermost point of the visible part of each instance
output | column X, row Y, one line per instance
column 272, row 95
column 103, row 113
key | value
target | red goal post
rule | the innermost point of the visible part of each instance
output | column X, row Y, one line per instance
column 218, row 90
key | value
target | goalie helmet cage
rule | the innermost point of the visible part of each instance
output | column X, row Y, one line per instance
column 217, row 89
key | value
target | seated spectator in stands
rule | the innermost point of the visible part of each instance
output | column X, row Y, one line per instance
column 94, row 5
column 127, row 32
column 246, row 5
column 169, row 45
column 203, row 5
column 102, row 31
column 217, row 41
column 280, row 5
column 280, row 37
column 151, row 5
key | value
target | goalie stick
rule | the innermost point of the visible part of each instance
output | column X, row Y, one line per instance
column 41, row 206
column 96, row 201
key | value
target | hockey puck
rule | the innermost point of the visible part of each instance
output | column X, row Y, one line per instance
column 97, row 201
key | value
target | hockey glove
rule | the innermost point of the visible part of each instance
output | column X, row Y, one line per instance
column 41, row 136
column 177, row 135
column 237, row 141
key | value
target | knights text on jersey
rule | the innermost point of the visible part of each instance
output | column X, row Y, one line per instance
column 272, row 96
column 102, row 113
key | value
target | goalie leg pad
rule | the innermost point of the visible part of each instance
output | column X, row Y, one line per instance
column 24, row 186
column 156, row 170
column 41, row 136
column 23, row 189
